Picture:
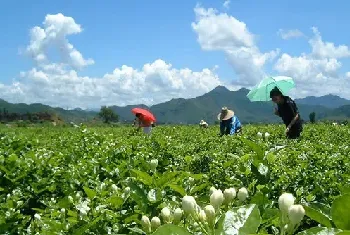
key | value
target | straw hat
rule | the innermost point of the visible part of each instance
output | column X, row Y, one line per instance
column 225, row 114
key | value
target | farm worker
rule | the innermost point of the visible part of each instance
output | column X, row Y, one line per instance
column 203, row 124
column 144, row 122
column 288, row 111
column 229, row 122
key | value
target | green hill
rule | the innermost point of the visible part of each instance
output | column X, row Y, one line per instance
column 207, row 106
column 191, row 111
column 67, row 115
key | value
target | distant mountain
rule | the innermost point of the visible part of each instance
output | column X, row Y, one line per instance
column 340, row 113
column 207, row 106
column 76, row 115
column 329, row 101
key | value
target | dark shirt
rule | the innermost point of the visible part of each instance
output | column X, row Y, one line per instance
column 288, row 110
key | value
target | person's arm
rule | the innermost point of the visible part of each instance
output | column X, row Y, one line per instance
column 276, row 112
column 295, row 110
column 296, row 118
column 222, row 128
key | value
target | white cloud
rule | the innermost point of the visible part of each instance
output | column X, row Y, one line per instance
column 222, row 32
column 321, row 49
column 59, row 84
column 316, row 73
column 288, row 34
column 54, row 33
column 226, row 4
column 156, row 82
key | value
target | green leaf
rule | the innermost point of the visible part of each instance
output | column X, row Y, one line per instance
column 321, row 231
column 131, row 218
column 90, row 193
column 198, row 188
column 170, row 229
column 166, row 178
column 116, row 201
column 318, row 216
column 259, row 150
column 72, row 220
column 340, row 212
column 240, row 220
column 259, row 198
column 81, row 230
column 178, row 189
column 137, row 230
column 64, row 203
column 72, row 213
column 7, row 172
column 229, row 163
column 138, row 195
column 344, row 189
column 325, row 209
column 143, row 177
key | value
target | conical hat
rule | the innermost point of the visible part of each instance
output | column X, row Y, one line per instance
column 225, row 114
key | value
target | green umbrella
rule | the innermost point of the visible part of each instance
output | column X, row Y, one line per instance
column 261, row 92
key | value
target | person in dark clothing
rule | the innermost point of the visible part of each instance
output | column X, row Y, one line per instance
column 288, row 111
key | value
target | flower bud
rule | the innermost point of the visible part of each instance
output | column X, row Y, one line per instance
column 178, row 215
column 242, row 194
column 212, row 189
column 229, row 194
column 155, row 222
column 285, row 201
column 153, row 164
column 210, row 212
column 114, row 187
column 127, row 192
column 260, row 135
column 166, row 214
column 63, row 211
column 202, row 216
column 146, row 224
column 267, row 135
column 296, row 214
column 37, row 217
column 189, row 204
column 216, row 199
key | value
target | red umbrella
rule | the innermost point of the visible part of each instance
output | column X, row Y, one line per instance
column 147, row 114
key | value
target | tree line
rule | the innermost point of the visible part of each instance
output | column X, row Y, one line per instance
column 6, row 116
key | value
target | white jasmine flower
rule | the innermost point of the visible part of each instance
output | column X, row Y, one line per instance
column 242, row 194
column 217, row 198
column 189, row 204
column 285, row 201
column 296, row 214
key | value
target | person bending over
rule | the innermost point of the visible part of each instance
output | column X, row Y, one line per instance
column 229, row 122
column 288, row 111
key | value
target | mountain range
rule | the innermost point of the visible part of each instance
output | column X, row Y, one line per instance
column 206, row 107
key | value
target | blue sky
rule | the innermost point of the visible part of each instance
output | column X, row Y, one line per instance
column 135, row 33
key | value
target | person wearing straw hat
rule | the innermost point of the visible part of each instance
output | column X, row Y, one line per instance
column 203, row 124
column 229, row 123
